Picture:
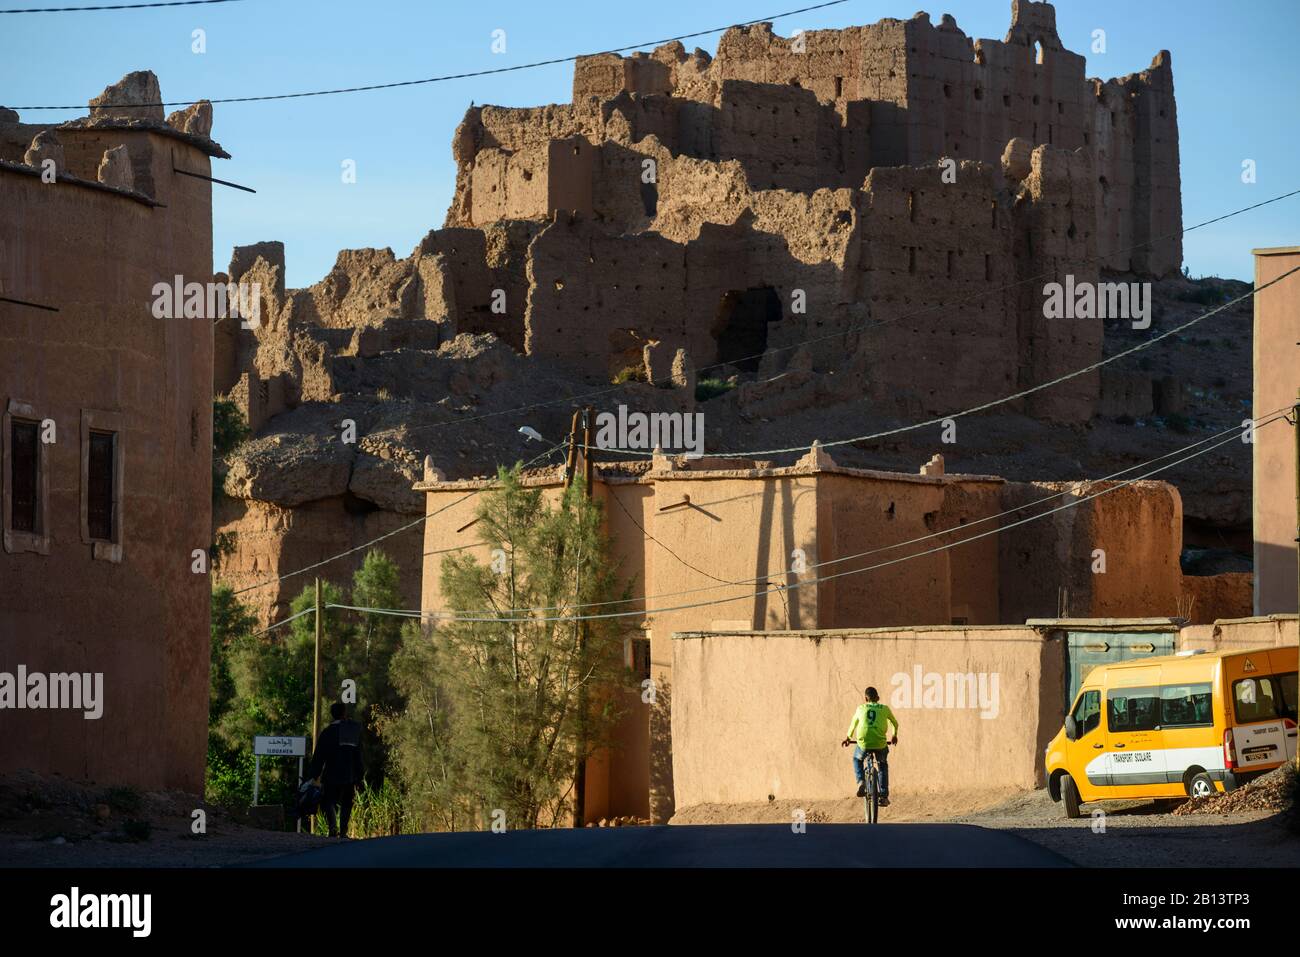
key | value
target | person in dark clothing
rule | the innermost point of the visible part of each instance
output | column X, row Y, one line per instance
column 336, row 760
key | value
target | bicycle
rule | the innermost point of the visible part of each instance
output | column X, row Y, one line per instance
column 871, row 783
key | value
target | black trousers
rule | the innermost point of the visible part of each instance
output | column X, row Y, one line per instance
column 337, row 796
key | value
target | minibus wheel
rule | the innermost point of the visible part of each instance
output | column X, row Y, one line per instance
column 1070, row 796
column 1200, row 785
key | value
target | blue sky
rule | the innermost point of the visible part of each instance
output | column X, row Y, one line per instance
column 1235, row 76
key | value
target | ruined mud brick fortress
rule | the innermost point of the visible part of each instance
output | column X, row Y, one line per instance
column 784, row 198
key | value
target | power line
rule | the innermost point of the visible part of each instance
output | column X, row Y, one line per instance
column 861, row 326
column 373, row 541
column 415, row 613
column 305, row 611
column 452, row 76
column 116, row 6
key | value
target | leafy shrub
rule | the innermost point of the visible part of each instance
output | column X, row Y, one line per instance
column 706, row 389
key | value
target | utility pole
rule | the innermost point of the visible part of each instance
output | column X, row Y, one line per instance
column 576, row 453
column 1295, row 434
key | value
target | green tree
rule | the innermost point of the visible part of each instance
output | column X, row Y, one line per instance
column 264, row 684
column 364, row 654
column 502, row 704
column 229, row 774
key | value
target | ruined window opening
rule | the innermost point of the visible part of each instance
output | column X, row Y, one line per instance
column 1071, row 232
column 1035, row 99
column 1006, row 99
column 740, row 326
column 528, row 175
column 650, row 198
column 979, row 94
column 911, row 259
column 1112, row 119
column 979, row 56
column 24, row 477
column 1038, row 51
column 839, row 88
column 636, row 657
column 1049, row 132
column 100, row 469
column 947, row 91
column 1085, row 139
column 1060, row 108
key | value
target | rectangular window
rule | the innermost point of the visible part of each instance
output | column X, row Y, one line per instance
column 1186, row 706
column 1265, row 697
column 99, row 486
column 1133, row 709
column 1087, row 712
column 25, row 477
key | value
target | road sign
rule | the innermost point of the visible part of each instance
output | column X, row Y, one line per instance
column 280, row 745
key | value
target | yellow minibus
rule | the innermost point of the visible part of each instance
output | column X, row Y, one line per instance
column 1189, row 724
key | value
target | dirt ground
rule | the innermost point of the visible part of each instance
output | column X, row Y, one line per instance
column 53, row 822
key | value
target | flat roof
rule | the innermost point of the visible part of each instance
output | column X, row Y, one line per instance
column 1192, row 655
column 555, row 475
column 1275, row 251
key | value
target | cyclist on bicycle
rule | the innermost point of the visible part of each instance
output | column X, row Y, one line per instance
column 867, row 734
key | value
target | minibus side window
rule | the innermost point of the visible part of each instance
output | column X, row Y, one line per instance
column 1255, row 699
column 1186, row 706
column 1133, row 709
column 1087, row 713
column 1287, row 689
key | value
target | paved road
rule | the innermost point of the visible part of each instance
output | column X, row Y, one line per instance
column 730, row 845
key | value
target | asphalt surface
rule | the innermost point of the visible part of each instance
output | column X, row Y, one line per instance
column 729, row 845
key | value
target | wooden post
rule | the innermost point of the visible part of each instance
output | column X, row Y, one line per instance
column 580, row 773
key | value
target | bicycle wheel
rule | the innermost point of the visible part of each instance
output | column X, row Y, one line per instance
column 871, row 799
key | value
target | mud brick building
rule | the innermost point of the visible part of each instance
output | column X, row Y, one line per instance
column 107, row 435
